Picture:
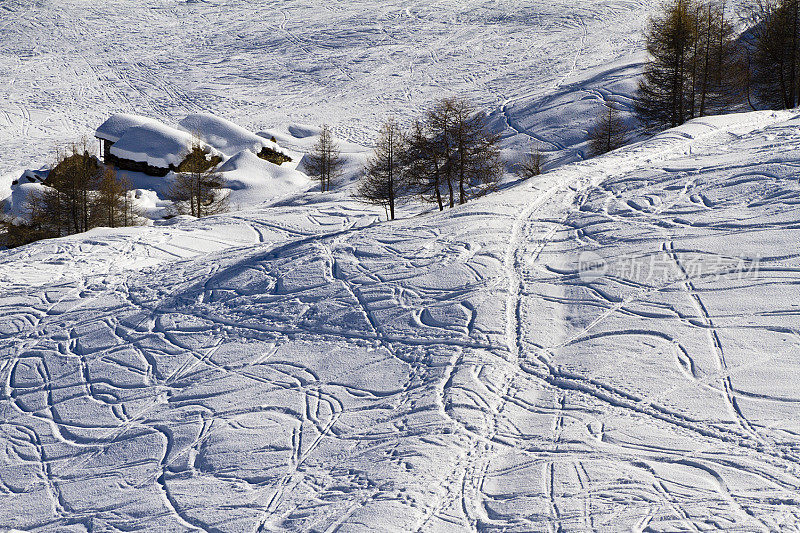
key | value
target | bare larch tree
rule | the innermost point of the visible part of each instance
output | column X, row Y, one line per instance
column 532, row 163
column 198, row 189
column 609, row 132
column 774, row 39
column 424, row 165
column 324, row 162
column 113, row 206
column 383, row 177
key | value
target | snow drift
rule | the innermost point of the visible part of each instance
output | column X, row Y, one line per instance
column 253, row 180
column 224, row 135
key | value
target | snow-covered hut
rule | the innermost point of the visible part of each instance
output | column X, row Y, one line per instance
column 154, row 149
column 114, row 127
column 142, row 144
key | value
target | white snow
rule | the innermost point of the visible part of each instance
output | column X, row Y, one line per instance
column 156, row 144
column 253, row 180
column 303, row 367
column 115, row 126
column 611, row 346
column 15, row 208
column 224, row 135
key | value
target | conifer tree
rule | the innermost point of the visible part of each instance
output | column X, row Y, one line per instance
column 774, row 38
column 609, row 132
column 383, row 177
column 424, row 165
column 532, row 163
column 662, row 97
column 66, row 204
column 460, row 137
column 198, row 187
column 113, row 206
column 324, row 163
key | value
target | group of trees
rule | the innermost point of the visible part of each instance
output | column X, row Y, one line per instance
column 446, row 158
column 773, row 46
column 695, row 66
column 699, row 66
column 79, row 194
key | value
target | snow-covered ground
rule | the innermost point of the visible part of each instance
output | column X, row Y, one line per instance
column 66, row 66
column 612, row 346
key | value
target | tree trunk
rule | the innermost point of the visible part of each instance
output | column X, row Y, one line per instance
column 450, row 189
column 438, row 184
column 693, row 93
column 706, row 67
column 391, row 176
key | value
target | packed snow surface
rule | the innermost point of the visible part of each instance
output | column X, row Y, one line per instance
column 612, row 346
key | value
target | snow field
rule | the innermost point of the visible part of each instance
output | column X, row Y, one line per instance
column 298, row 365
column 68, row 66
column 453, row 371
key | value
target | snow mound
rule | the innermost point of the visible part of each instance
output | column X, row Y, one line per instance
column 301, row 131
column 154, row 143
column 253, row 180
column 224, row 135
column 117, row 125
column 15, row 207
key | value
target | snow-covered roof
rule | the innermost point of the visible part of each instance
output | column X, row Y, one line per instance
column 116, row 125
column 224, row 135
column 156, row 144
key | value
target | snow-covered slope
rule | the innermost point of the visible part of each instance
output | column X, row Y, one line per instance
column 66, row 66
column 612, row 346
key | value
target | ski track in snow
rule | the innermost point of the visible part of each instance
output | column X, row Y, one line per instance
column 304, row 367
column 67, row 66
